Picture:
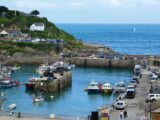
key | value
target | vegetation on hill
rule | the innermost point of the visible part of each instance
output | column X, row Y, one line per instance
column 10, row 47
column 11, row 19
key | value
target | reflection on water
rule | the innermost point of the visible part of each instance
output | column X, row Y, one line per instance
column 73, row 101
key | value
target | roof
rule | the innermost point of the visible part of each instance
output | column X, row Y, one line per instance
column 18, row 32
column 3, row 32
column 38, row 24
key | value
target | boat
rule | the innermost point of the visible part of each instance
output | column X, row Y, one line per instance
column 42, row 69
column 8, row 84
column 134, row 29
column 107, row 88
column 12, row 106
column 93, row 88
column 39, row 98
column 31, row 83
column 15, row 68
column 120, row 86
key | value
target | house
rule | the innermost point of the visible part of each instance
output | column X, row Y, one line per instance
column 3, row 33
column 14, row 33
column 37, row 27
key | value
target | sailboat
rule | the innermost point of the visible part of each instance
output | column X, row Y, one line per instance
column 134, row 29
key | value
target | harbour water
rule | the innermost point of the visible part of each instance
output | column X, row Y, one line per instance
column 73, row 101
column 141, row 39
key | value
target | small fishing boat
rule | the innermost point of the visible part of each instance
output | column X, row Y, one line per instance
column 93, row 88
column 107, row 88
column 120, row 86
column 12, row 106
column 42, row 69
column 8, row 84
column 15, row 68
column 39, row 97
column 30, row 85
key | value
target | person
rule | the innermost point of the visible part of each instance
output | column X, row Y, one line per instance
column 125, row 114
column 11, row 113
column 121, row 115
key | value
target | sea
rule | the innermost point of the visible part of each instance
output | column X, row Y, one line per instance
column 74, row 101
column 142, row 39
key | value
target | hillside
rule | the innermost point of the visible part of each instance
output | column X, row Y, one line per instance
column 11, row 19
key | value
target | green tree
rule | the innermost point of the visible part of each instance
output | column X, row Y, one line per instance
column 3, row 9
column 34, row 12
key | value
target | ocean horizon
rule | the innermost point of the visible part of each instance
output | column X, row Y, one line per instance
column 141, row 39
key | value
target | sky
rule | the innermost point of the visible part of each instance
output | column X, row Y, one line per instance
column 91, row 11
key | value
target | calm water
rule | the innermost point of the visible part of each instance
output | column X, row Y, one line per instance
column 124, row 38
column 74, row 101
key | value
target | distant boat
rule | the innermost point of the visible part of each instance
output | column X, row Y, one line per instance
column 134, row 29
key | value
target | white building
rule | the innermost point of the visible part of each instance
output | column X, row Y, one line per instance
column 37, row 27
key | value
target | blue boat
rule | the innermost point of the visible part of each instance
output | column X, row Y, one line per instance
column 8, row 84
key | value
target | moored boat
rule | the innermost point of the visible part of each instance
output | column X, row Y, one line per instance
column 8, row 84
column 107, row 88
column 39, row 98
column 93, row 88
column 12, row 106
column 120, row 86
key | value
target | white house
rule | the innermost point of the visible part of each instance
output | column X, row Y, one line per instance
column 37, row 27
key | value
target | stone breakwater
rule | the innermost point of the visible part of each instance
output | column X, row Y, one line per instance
column 101, row 62
column 35, row 58
column 55, row 85
column 126, row 61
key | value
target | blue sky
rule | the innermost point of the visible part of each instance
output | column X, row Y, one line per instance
column 91, row 11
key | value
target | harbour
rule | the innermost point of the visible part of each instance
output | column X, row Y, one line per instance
column 71, row 96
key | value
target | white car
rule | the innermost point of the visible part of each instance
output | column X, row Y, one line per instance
column 120, row 105
column 153, row 97
column 154, row 77
column 130, row 87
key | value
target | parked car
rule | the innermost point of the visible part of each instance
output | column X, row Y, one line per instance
column 133, row 82
column 136, row 79
column 131, row 91
column 130, row 87
column 154, row 77
column 120, row 105
column 152, row 97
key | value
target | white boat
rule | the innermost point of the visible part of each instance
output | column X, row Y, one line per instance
column 12, row 106
column 15, row 68
column 134, row 29
column 93, row 88
column 107, row 88
column 42, row 69
column 120, row 86
column 38, row 99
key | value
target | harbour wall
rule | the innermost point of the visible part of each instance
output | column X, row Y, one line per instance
column 101, row 62
column 55, row 85
column 35, row 58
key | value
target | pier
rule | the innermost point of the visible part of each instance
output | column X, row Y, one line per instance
column 61, row 82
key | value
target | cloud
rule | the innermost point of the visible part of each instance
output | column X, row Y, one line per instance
column 34, row 4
